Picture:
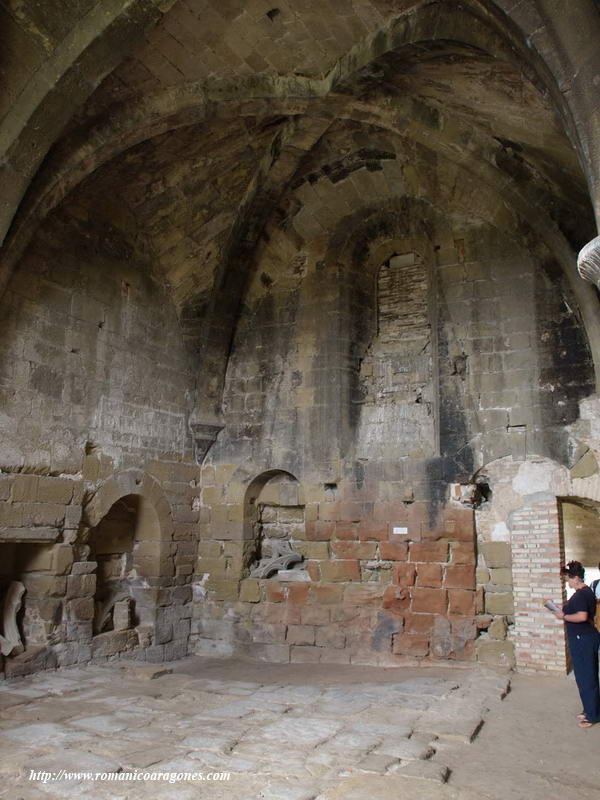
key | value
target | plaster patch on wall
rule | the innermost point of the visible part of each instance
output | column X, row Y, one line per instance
column 500, row 532
column 589, row 408
column 532, row 477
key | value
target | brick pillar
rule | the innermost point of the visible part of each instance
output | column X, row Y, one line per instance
column 536, row 553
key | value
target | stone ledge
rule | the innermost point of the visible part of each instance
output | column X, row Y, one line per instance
column 41, row 535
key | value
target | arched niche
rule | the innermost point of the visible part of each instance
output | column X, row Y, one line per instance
column 133, row 482
column 398, row 381
column 123, row 547
column 274, row 526
column 129, row 531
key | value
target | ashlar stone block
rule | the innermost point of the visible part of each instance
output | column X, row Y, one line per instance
column 301, row 634
column 429, row 600
column 495, row 652
column 496, row 554
column 500, row 603
column 122, row 615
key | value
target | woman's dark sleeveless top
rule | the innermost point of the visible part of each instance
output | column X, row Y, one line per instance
column 583, row 600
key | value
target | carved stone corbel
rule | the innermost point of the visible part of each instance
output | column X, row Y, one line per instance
column 204, row 435
column 588, row 262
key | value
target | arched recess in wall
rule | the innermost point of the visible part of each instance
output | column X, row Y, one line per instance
column 129, row 530
column 496, row 292
column 274, row 527
column 382, row 257
column 397, row 395
column 119, row 545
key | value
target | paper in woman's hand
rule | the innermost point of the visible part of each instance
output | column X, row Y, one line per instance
column 551, row 606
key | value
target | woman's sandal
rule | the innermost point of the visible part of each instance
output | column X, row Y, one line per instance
column 586, row 724
column 582, row 717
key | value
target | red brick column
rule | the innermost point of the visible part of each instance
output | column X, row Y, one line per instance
column 536, row 553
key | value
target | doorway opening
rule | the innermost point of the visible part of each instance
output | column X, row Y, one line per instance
column 580, row 524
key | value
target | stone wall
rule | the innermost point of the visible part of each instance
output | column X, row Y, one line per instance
column 45, row 546
column 303, row 395
column 92, row 351
column 521, row 549
column 371, row 595
column 374, row 394
column 95, row 382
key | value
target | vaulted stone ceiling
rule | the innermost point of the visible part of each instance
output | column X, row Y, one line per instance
column 222, row 111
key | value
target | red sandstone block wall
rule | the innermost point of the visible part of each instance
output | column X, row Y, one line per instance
column 372, row 596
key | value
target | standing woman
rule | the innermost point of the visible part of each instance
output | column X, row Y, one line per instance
column 584, row 639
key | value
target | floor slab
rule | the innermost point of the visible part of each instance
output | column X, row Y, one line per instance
column 284, row 732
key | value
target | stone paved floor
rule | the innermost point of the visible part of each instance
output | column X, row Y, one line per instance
column 294, row 732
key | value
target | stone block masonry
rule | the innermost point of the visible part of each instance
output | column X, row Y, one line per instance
column 64, row 535
column 97, row 476
column 112, row 355
column 379, row 358
column 370, row 596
